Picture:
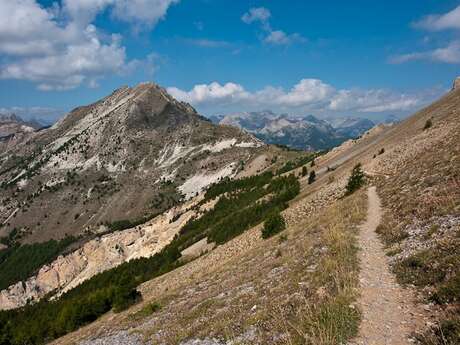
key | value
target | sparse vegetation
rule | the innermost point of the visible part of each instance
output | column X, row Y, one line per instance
column 148, row 310
column 291, row 165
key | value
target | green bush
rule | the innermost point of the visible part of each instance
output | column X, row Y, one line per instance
column 274, row 224
column 356, row 179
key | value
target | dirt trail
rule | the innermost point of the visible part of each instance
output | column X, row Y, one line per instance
column 389, row 312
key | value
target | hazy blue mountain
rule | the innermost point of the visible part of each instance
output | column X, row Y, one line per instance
column 306, row 133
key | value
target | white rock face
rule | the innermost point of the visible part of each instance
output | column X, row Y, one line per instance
column 197, row 183
column 99, row 255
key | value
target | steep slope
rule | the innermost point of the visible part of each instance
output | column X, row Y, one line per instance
column 302, row 285
column 290, row 289
column 305, row 133
column 127, row 157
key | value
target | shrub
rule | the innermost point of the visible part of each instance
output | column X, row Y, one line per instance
column 274, row 224
column 428, row 124
column 304, row 171
column 148, row 310
column 356, row 179
column 382, row 151
column 311, row 177
column 124, row 297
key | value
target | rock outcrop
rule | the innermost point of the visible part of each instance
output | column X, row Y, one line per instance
column 99, row 255
column 457, row 83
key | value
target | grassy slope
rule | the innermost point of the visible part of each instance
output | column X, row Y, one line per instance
column 296, row 287
column 421, row 226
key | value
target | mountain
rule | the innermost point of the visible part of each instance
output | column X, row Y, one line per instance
column 351, row 127
column 305, row 133
column 11, row 124
column 14, row 130
column 269, row 255
column 126, row 157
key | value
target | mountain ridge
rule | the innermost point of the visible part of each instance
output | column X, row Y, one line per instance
column 133, row 138
column 305, row 133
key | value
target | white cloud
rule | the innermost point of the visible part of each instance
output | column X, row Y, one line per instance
column 448, row 54
column 306, row 95
column 207, row 43
column 281, row 38
column 373, row 101
column 438, row 22
column 211, row 93
column 276, row 37
column 257, row 14
column 59, row 48
column 148, row 12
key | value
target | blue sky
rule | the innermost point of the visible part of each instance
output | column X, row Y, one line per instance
column 365, row 58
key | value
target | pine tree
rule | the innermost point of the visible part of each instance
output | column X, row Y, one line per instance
column 356, row 179
column 311, row 177
column 304, row 171
column 274, row 224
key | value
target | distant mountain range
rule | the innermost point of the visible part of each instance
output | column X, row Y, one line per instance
column 12, row 124
column 305, row 133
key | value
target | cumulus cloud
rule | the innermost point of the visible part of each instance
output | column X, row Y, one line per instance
column 306, row 95
column 276, row 37
column 59, row 47
column 148, row 12
column 438, row 22
column 211, row 93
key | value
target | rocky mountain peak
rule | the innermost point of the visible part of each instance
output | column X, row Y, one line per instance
column 132, row 154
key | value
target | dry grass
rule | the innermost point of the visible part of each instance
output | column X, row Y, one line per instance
column 422, row 199
column 297, row 287
column 329, row 316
